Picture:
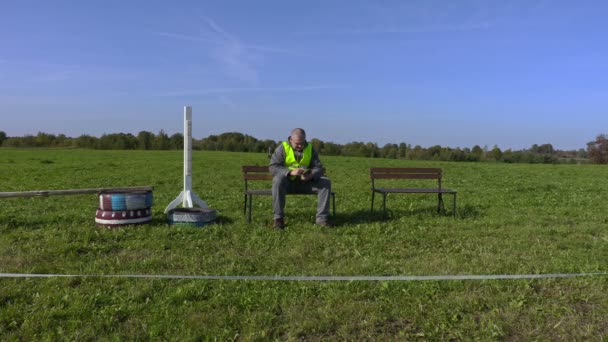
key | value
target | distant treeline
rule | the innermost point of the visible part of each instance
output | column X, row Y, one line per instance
column 238, row 142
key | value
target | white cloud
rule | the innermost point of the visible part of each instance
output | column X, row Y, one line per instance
column 236, row 58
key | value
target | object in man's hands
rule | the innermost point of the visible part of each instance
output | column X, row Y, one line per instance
column 303, row 175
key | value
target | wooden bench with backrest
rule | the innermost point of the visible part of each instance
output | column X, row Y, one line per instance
column 396, row 173
column 262, row 173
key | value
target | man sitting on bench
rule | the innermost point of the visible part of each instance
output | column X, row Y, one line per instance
column 296, row 167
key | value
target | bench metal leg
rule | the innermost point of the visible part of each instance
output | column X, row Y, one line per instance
column 373, row 193
column 333, row 197
column 245, row 206
column 440, row 203
column 384, row 205
column 250, row 200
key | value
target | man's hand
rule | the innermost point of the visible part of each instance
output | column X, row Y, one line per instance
column 302, row 174
column 296, row 172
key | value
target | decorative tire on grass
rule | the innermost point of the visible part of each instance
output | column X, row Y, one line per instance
column 191, row 217
column 125, row 201
column 119, row 218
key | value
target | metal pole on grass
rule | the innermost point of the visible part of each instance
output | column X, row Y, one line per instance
column 187, row 197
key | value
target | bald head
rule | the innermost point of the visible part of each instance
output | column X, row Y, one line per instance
column 297, row 139
column 298, row 132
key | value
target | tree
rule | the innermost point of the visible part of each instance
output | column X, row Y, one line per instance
column 2, row 137
column 402, row 150
column 582, row 153
column 86, row 141
column 270, row 145
column 496, row 153
column 389, row 151
column 331, row 149
column 434, row 152
column 477, row 153
column 415, row 153
column 373, row 149
column 118, row 141
column 542, row 149
column 507, row 156
column 317, row 144
column 598, row 150
column 176, row 141
column 45, row 139
column 356, row 149
column 161, row 142
column 145, row 140
column 63, row 141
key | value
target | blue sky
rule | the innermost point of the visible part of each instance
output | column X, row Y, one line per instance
column 453, row 73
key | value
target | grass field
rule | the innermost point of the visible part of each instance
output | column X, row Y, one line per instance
column 511, row 219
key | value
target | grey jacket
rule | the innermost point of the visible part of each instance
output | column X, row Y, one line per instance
column 277, row 162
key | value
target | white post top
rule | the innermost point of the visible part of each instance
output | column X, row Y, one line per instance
column 187, row 113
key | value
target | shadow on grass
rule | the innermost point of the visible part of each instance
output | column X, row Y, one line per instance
column 466, row 212
column 471, row 211
column 25, row 224
column 356, row 217
column 220, row 219
column 420, row 212
column 223, row 220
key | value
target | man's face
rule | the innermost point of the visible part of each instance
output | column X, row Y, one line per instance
column 297, row 143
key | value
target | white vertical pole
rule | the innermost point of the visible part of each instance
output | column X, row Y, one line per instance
column 187, row 197
column 187, row 155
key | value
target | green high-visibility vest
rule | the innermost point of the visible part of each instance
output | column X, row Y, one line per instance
column 290, row 157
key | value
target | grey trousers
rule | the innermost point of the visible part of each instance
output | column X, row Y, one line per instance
column 282, row 185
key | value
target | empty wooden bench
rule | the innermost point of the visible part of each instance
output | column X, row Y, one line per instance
column 394, row 173
column 262, row 173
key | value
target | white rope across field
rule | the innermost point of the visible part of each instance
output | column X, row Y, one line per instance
column 313, row 278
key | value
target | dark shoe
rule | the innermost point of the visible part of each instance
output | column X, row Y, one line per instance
column 324, row 224
column 279, row 223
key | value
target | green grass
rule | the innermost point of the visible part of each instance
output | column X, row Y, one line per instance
column 511, row 219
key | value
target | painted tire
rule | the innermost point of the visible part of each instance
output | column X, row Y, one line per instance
column 125, row 201
column 191, row 217
column 114, row 218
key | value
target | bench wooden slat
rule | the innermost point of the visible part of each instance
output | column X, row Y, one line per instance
column 255, row 168
column 407, row 176
column 415, row 190
column 257, row 176
column 375, row 170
